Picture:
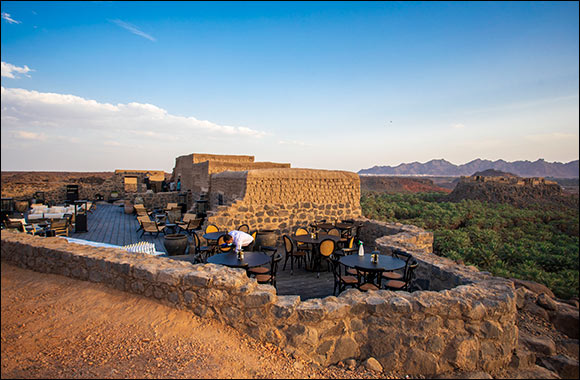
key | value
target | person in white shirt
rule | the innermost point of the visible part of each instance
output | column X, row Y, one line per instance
column 238, row 238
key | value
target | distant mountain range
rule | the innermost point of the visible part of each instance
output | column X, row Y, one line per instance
column 539, row 168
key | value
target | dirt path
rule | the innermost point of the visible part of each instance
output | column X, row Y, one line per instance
column 58, row 327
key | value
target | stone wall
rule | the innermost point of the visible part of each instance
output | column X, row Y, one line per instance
column 195, row 169
column 466, row 328
column 282, row 199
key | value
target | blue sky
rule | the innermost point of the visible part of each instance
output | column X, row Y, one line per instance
column 93, row 86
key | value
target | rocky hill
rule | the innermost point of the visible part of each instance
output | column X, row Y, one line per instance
column 391, row 185
column 500, row 187
column 539, row 168
column 23, row 185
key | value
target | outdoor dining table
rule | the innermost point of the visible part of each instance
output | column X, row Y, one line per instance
column 315, row 242
column 251, row 259
column 384, row 263
column 213, row 236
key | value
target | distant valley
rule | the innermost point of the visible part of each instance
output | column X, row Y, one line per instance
column 539, row 168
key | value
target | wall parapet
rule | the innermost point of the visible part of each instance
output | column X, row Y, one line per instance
column 468, row 327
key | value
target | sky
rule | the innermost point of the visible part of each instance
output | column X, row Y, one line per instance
column 99, row 86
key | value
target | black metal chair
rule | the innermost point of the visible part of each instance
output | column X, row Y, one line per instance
column 222, row 246
column 369, row 279
column 405, row 283
column 292, row 254
column 244, row 228
column 395, row 275
column 270, row 251
column 204, row 251
column 270, row 277
column 341, row 281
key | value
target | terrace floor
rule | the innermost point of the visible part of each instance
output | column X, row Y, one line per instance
column 109, row 224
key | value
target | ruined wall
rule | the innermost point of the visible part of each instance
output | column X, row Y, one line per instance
column 466, row 328
column 183, row 168
column 282, row 199
column 195, row 169
column 202, row 157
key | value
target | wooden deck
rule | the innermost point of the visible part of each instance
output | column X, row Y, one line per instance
column 109, row 224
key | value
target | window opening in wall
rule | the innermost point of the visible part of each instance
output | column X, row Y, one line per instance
column 130, row 184
column 220, row 199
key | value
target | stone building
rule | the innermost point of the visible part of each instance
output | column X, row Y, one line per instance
column 282, row 199
column 195, row 169
column 135, row 181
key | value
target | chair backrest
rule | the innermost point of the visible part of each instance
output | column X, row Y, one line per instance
column 220, row 242
column 288, row 245
column 141, row 218
column 335, row 265
column 350, row 242
column 149, row 226
column 197, row 241
column 327, row 247
column 301, row 231
column 211, row 228
column 334, row 232
column 410, row 272
column 400, row 254
column 276, row 258
column 171, row 206
column 244, row 228
column 194, row 224
column 189, row 216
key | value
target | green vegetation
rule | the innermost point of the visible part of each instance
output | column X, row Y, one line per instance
column 536, row 243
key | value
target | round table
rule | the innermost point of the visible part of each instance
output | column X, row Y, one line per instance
column 307, row 239
column 313, row 264
column 214, row 235
column 386, row 263
column 251, row 259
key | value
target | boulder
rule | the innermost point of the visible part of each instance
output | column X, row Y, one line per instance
column 566, row 320
column 373, row 364
column 536, row 372
column 571, row 347
column 522, row 358
column 541, row 345
column 564, row 366
column 533, row 286
column 547, row 302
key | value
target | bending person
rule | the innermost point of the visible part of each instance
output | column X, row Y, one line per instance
column 238, row 238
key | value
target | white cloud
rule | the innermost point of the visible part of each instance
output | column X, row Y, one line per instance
column 50, row 111
column 133, row 29
column 9, row 70
column 6, row 16
column 24, row 135
column 458, row 126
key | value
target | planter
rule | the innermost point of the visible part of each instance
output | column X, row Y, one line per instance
column 265, row 238
column 175, row 244
column 128, row 207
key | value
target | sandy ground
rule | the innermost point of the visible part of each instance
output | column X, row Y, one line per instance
column 58, row 327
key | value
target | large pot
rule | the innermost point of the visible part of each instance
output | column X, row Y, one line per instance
column 128, row 207
column 265, row 238
column 175, row 244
